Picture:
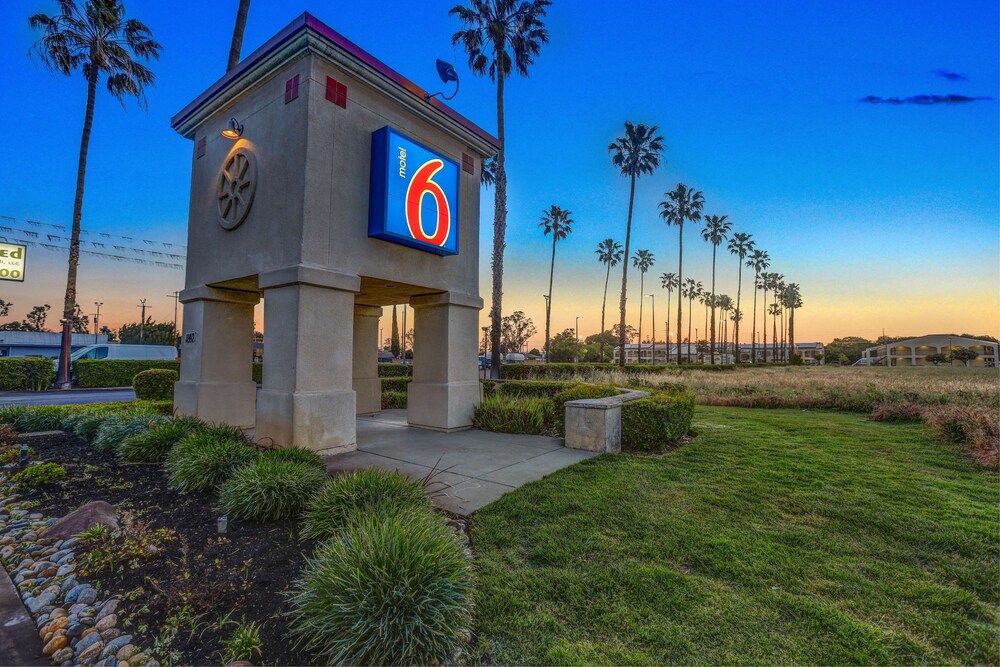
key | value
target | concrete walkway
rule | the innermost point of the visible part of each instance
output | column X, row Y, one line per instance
column 19, row 641
column 475, row 467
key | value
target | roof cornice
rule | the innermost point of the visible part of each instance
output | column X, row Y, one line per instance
column 305, row 35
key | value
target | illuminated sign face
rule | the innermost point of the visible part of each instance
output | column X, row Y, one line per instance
column 414, row 194
column 12, row 261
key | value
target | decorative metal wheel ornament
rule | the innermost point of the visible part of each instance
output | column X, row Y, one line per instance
column 236, row 188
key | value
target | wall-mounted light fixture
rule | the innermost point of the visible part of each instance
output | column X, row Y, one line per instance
column 447, row 74
column 234, row 130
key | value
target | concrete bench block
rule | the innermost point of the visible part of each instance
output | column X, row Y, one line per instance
column 595, row 424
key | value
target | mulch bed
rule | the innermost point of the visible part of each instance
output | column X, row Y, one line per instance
column 195, row 580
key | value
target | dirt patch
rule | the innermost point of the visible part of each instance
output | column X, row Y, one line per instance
column 186, row 594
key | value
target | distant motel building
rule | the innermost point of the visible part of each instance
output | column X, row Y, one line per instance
column 648, row 353
column 914, row 351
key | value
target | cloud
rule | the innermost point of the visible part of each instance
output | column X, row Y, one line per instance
column 925, row 100
column 951, row 76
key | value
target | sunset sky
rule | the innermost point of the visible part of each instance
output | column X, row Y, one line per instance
column 886, row 214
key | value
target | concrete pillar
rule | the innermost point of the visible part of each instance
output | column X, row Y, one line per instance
column 367, row 385
column 307, row 398
column 445, row 389
column 216, row 378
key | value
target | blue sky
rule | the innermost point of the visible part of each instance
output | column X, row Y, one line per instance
column 887, row 215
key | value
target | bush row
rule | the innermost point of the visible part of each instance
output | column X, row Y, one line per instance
column 975, row 429
column 26, row 374
column 93, row 373
column 557, row 371
column 533, row 408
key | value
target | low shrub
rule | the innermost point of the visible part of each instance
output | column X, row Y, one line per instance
column 897, row 412
column 393, row 400
column 26, row 374
column 118, row 427
column 651, row 424
column 396, row 384
column 153, row 445
column 536, row 388
column 975, row 429
column 513, row 414
column 361, row 493
column 271, row 488
column 12, row 454
column 156, row 384
column 297, row 455
column 257, row 374
column 115, row 372
column 395, row 370
column 206, row 459
column 40, row 475
column 576, row 393
column 388, row 591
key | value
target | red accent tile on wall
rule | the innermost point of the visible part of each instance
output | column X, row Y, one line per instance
column 199, row 151
column 468, row 163
column 291, row 89
column 336, row 92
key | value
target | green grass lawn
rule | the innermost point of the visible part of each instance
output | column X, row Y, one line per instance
column 775, row 536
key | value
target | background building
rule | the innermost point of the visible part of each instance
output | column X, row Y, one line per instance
column 914, row 351
column 42, row 343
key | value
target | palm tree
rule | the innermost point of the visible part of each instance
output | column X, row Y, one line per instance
column 681, row 204
column 793, row 301
column 740, row 244
column 716, row 231
column 643, row 260
column 705, row 299
column 99, row 40
column 736, row 316
column 759, row 260
column 725, row 305
column 775, row 310
column 555, row 221
column 238, row 29
column 610, row 253
column 779, row 297
column 669, row 282
column 487, row 172
column 635, row 153
column 692, row 290
column 500, row 36
column 768, row 282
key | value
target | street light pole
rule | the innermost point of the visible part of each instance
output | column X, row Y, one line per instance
column 576, row 333
column 97, row 320
column 652, row 298
column 175, row 296
column 142, row 321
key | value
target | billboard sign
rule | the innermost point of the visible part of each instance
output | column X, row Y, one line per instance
column 12, row 261
column 413, row 198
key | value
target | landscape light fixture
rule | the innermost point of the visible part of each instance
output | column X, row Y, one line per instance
column 448, row 74
column 234, row 130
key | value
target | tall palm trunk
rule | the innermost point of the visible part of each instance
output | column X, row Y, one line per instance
column 621, row 305
column 791, row 330
column 736, row 323
column 753, row 331
column 680, row 299
column 69, row 303
column 774, row 338
column 666, row 332
column 548, row 302
column 712, row 344
column 604, row 304
column 690, row 311
column 238, row 29
column 499, row 234
column 642, row 278
column 764, row 327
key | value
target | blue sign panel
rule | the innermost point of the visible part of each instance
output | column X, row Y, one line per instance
column 414, row 194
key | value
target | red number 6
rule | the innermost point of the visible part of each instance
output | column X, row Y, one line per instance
column 420, row 186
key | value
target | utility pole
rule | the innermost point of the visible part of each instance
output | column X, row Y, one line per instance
column 403, row 351
column 142, row 321
column 97, row 320
column 176, row 297
column 576, row 333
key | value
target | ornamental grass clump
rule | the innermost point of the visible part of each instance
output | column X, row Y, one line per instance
column 393, row 590
column 513, row 414
column 206, row 459
column 117, row 428
column 42, row 418
column 361, row 493
column 297, row 455
column 152, row 446
column 271, row 488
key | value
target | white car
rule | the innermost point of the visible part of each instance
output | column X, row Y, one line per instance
column 130, row 352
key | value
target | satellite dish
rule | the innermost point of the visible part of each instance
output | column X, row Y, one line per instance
column 448, row 74
column 446, row 71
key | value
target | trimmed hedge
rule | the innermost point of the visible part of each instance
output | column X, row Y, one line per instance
column 395, row 370
column 115, row 372
column 394, row 400
column 156, row 384
column 26, row 374
column 528, row 388
column 650, row 424
column 395, row 384
column 558, row 371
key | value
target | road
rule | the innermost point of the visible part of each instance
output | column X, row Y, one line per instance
column 73, row 396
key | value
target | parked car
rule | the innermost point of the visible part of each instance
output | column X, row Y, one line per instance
column 131, row 352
